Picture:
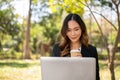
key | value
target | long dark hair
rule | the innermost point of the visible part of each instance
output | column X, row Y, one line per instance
column 65, row 42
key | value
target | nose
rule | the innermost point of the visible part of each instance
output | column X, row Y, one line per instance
column 72, row 33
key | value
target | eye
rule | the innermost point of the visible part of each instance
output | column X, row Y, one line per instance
column 76, row 29
column 68, row 30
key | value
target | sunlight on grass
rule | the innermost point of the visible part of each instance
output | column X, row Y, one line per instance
column 105, row 73
column 117, row 74
column 23, row 70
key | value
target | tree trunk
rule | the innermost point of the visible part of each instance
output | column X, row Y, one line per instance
column 111, row 65
column 27, row 46
column 111, row 68
column 0, row 46
column 117, row 39
column 113, row 54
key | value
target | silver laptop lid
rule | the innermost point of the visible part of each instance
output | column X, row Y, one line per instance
column 67, row 68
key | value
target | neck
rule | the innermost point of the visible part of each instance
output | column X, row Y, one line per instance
column 75, row 45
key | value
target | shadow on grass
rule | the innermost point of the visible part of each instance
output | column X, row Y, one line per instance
column 16, row 64
column 104, row 65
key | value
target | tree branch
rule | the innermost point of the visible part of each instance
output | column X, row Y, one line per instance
column 107, row 20
column 117, row 11
column 118, row 2
column 114, row 1
column 99, row 14
column 93, row 17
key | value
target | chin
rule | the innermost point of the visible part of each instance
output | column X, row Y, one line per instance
column 74, row 40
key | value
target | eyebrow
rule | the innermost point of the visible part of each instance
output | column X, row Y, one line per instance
column 74, row 27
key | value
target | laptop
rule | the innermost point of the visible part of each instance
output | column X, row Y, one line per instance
column 67, row 68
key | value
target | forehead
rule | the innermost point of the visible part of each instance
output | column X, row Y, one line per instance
column 73, row 24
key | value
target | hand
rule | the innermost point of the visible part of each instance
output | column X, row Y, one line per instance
column 77, row 54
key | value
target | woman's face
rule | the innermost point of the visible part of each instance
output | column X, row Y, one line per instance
column 74, row 31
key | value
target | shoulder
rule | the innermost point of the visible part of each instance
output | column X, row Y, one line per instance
column 89, row 51
column 56, row 45
column 93, row 50
column 56, row 50
column 91, row 47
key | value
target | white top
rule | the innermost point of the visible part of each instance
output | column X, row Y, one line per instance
column 76, row 50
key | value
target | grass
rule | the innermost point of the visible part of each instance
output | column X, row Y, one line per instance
column 105, row 73
column 20, row 70
column 30, row 70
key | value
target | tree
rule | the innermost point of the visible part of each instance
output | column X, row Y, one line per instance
column 114, row 5
column 32, row 12
column 48, row 22
column 8, row 21
column 70, row 6
column 27, row 46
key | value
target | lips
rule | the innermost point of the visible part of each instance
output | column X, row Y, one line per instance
column 73, row 37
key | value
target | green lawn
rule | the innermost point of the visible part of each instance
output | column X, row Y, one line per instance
column 30, row 70
column 20, row 70
column 104, row 71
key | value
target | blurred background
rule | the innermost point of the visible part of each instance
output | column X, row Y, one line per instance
column 30, row 28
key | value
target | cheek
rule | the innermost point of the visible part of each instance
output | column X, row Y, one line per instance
column 68, row 34
column 79, row 32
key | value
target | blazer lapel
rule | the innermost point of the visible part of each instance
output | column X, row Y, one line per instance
column 84, row 51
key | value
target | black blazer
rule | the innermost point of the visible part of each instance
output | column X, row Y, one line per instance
column 86, row 52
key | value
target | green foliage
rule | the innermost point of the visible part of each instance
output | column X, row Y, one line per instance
column 104, row 56
column 34, row 1
column 9, row 30
column 11, row 54
column 10, row 47
column 8, row 20
column 51, row 26
column 70, row 6
column 108, row 3
column 36, row 37
column 46, row 24
column 102, row 3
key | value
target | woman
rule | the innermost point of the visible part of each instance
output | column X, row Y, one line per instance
column 74, row 37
